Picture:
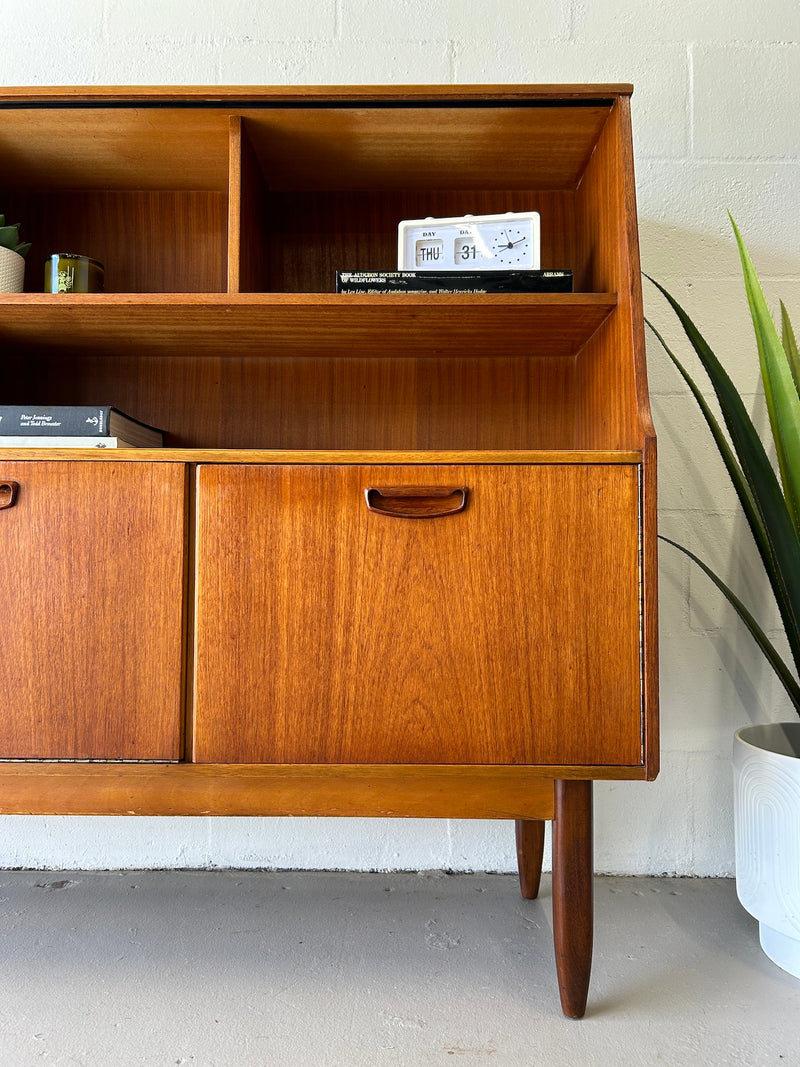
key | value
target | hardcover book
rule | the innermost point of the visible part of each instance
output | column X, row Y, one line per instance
column 24, row 420
column 454, row 281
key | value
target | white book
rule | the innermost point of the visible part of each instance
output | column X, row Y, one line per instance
column 64, row 442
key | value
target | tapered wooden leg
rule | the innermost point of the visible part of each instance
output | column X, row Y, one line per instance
column 573, row 918
column 530, row 850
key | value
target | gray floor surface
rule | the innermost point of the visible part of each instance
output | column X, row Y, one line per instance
column 318, row 969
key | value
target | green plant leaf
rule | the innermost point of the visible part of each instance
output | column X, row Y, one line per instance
column 790, row 346
column 740, row 483
column 780, row 389
column 763, row 502
column 728, row 456
column 9, row 236
column 773, row 656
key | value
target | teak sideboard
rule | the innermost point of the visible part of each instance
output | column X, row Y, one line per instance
column 397, row 557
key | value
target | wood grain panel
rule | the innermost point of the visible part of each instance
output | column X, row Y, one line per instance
column 425, row 148
column 273, row 457
column 91, row 599
column 235, row 179
column 114, row 149
column 605, row 365
column 612, row 364
column 256, row 222
column 314, row 234
column 553, row 325
column 346, row 403
column 650, row 646
column 194, row 789
column 506, row 634
column 148, row 242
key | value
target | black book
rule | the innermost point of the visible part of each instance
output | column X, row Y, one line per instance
column 454, row 281
column 23, row 420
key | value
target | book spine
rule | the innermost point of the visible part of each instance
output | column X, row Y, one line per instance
column 454, row 282
column 53, row 421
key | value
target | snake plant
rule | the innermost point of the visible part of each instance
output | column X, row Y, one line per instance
column 770, row 500
column 9, row 237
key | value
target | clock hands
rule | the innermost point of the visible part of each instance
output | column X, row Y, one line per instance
column 511, row 243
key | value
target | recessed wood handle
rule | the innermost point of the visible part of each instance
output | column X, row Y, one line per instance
column 416, row 501
column 8, row 494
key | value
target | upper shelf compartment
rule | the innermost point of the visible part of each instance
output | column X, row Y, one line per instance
column 273, row 191
column 323, row 188
column 142, row 190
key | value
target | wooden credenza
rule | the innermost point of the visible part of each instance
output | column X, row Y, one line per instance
column 398, row 556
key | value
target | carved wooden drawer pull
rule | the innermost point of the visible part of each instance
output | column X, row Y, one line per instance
column 416, row 501
column 8, row 494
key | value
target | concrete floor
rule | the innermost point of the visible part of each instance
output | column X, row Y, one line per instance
column 232, row 969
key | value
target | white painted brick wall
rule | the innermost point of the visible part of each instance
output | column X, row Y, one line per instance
column 716, row 127
column 746, row 101
column 308, row 20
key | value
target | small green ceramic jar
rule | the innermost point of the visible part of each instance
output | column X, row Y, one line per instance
column 66, row 272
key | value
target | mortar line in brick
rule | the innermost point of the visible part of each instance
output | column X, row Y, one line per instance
column 690, row 69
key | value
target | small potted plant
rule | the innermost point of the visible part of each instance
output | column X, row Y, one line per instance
column 12, row 258
column 766, row 757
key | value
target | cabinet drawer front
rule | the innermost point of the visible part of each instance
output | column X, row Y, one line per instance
column 338, row 622
column 91, row 598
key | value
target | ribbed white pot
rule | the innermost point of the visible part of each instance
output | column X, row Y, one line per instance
column 12, row 271
column 766, row 762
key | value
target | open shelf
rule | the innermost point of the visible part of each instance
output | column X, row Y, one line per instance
column 274, row 192
column 556, row 326
column 222, row 216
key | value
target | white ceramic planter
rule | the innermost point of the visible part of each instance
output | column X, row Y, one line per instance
column 12, row 271
column 766, row 762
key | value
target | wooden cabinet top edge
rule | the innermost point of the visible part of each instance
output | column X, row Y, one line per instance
column 322, row 457
column 232, row 95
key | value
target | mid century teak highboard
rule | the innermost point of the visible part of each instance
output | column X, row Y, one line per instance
column 397, row 557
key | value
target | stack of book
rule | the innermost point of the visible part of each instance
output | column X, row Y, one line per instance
column 27, row 426
column 454, row 281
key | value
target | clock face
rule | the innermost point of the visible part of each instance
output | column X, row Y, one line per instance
column 513, row 246
column 470, row 242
